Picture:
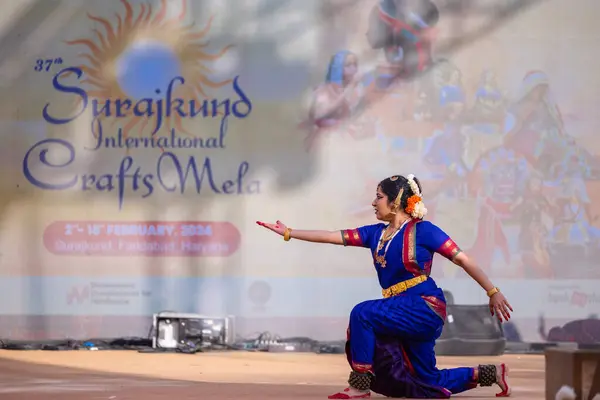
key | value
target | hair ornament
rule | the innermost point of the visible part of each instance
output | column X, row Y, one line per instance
column 415, row 206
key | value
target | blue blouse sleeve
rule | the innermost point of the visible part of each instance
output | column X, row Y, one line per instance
column 364, row 236
column 436, row 240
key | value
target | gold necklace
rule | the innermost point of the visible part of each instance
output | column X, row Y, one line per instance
column 380, row 259
column 388, row 235
column 385, row 238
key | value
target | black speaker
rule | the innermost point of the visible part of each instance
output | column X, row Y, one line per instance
column 470, row 330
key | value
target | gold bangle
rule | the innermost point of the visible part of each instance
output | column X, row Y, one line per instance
column 287, row 234
column 492, row 291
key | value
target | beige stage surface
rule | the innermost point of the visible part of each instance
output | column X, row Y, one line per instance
column 118, row 375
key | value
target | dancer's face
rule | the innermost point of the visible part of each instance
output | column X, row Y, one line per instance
column 382, row 206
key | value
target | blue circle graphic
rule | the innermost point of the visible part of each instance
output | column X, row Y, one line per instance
column 145, row 70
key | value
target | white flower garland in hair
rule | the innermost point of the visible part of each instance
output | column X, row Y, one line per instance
column 416, row 207
column 413, row 185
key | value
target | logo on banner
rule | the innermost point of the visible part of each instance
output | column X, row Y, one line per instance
column 142, row 85
column 78, row 295
column 107, row 294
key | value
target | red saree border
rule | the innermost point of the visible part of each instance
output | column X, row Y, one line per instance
column 351, row 237
column 449, row 249
column 409, row 249
column 436, row 305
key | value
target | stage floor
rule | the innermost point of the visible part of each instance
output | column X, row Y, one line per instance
column 119, row 375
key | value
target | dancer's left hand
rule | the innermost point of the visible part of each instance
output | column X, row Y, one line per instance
column 499, row 306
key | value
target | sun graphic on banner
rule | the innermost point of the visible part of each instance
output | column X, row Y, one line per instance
column 138, row 57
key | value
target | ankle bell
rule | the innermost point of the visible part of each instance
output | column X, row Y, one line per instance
column 360, row 381
column 487, row 375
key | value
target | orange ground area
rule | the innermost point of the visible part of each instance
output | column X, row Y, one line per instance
column 118, row 375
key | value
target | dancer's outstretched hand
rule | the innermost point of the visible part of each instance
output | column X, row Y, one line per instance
column 500, row 307
column 278, row 227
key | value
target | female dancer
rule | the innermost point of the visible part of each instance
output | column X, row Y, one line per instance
column 391, row 341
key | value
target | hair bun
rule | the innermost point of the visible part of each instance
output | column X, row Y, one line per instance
column 415, row 207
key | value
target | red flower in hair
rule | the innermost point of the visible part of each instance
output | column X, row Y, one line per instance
column 411, row 203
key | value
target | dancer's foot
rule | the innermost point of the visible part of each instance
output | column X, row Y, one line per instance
column 351, row 393
column 502, row 380
column 490, row 374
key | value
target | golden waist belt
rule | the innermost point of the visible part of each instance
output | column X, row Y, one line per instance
column 403, row 286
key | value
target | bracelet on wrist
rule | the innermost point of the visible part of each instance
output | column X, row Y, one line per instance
column 287, row 234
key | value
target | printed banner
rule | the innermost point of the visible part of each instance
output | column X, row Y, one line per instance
column 143, row 139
